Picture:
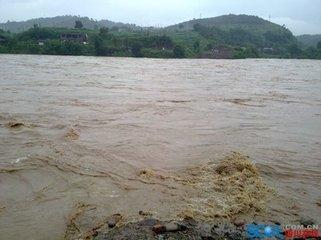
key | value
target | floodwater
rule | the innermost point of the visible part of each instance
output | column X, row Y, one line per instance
column 77, row 130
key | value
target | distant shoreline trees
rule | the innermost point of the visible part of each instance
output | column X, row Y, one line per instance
column 78, row 24
column 200, row 42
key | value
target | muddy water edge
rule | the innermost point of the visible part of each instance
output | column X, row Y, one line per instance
column 83, row 138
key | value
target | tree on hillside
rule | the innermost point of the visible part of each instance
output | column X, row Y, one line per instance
column 197, row 27
column 162, row 41
column 136, row 50
column 312, row 53
column 115, row 29
column 294, row 50
column 99, row 46
column 103, row 31
column 179, row 51
column 319, row 45
column 196, row 46
column 78, row 24
column 72, row 48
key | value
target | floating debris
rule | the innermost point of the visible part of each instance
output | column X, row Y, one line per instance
column 226, row 189
column 18, row 160
column 236, row 163
column 2, row 208
column 15, row 125
column 146, row 173
column 244, row 102
column 72, row 135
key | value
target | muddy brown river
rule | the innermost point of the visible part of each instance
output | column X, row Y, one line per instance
column 76, row 132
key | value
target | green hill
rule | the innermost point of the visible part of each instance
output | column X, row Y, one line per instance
column 62, row 22
column 239, row 30
column 226, row 22
column 309, row 40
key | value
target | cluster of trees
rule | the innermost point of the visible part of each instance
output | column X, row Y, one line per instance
column 307, row 53
column 141, row 45
column 67, row 21
column 309, row 40
column 29, row 43
column 102, row 42
column 198, row 42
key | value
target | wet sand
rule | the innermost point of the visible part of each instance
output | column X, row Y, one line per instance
column 78, row 132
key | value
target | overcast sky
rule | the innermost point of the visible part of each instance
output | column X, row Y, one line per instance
column 300, row 16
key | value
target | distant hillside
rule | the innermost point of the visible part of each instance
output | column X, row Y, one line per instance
column 226, row 22
column 309, row 40
column 238, row 30
column 62, row 22
column 228, row 36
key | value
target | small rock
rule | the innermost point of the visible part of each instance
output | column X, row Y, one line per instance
column 239, row 222
column 174, row 227
column 205, row 231
column 182, row 226
column 149, row 222
column 207, row 237
column 171, row 227
column 168, row 227
column 234, row 235
column 306, row 221
column 113, row 220
column 159, row 228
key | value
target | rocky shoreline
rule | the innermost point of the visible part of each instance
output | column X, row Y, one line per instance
column 189, row 229
column 151, row 229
